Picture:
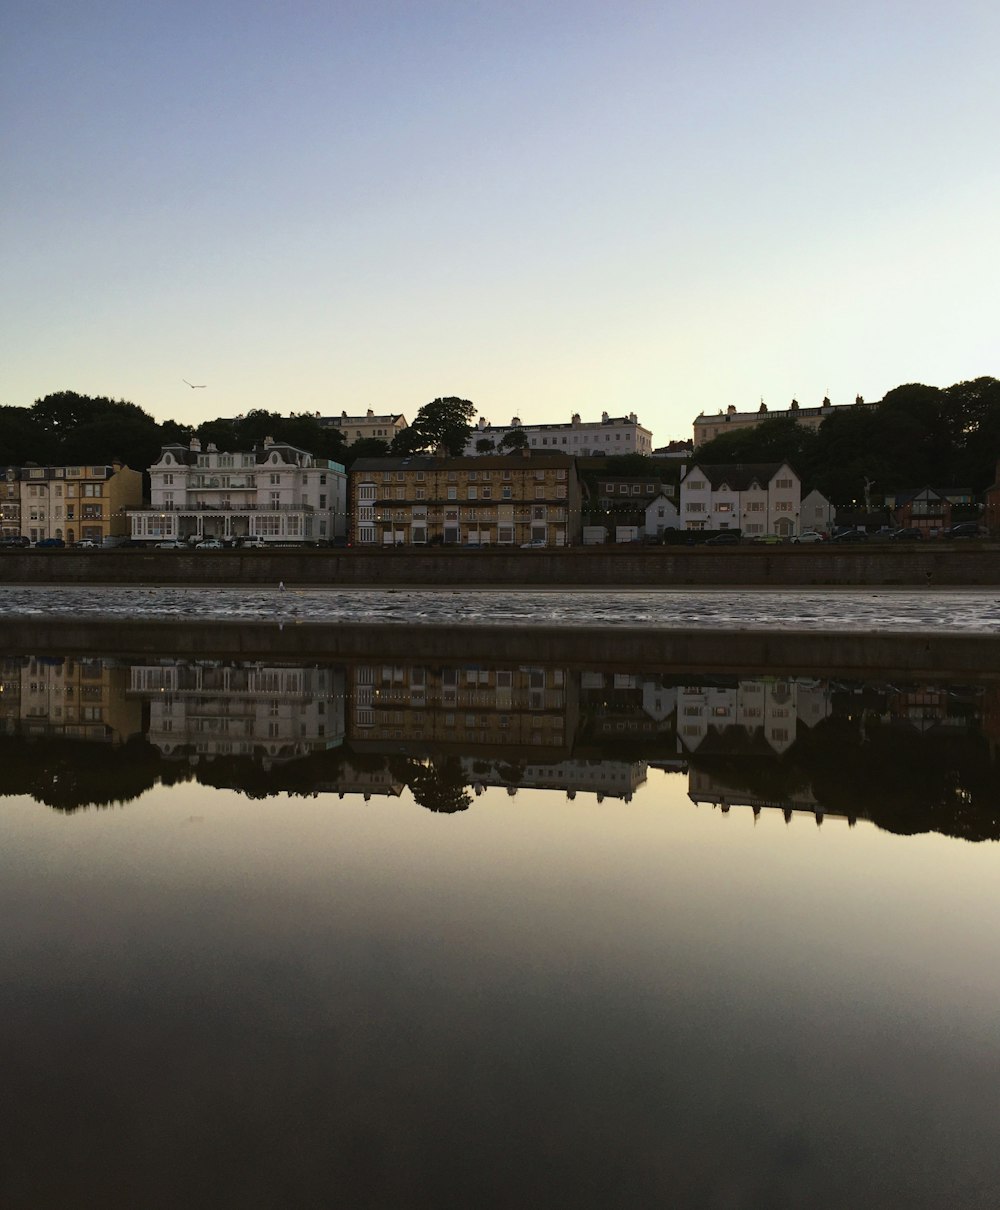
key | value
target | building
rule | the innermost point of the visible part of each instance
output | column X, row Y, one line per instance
column 506, row 500
column 660, row 514
column 77, row 502
column 10, row 502
column 707, row 426
column 363, row 428
column 816, row 513
column 755, row 498
column 582, row 439
column 925, row 508
column 275, row 493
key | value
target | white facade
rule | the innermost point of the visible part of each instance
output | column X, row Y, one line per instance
column 816, row 513
column 607, row 436
column 275, row 493
column 772, row 709
column 661, row 514
column 753, row 499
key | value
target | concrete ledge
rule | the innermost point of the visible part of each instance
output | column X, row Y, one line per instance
column 913, row 655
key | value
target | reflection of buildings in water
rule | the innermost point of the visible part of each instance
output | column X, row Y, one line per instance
column 68, row 698
column 705, row 787
column 369, row 783
column 625, row 705
column 760, row 715
column 211, row 709
column 605, row 778
column 935, row 708
column 468, row 709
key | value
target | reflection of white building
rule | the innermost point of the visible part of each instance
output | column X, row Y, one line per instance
column 209, row 709
column 762, row 710
column 605, row 778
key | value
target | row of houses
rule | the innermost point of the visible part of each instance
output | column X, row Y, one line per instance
column 278, row 494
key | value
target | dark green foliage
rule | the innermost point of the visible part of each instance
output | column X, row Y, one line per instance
column 365, row 447
column 442, row 423
column 516, row 439
column 917, row 436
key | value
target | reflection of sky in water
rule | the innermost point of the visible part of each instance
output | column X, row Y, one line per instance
column 969, row 610
column 535, row 1002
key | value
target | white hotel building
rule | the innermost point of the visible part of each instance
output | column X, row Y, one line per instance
column 578, row 438
column 275, row 493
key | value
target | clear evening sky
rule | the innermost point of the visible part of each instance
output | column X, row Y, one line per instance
column 542, row 207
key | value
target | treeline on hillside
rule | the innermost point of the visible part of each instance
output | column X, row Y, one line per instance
column 67, row 428
column 917, row 436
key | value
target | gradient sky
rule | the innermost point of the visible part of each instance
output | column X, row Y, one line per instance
column 541, row 207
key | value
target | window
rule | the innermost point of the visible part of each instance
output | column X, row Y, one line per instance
column 452, row 493
column 782, row 483
column 697, row 485
column 487, row 492
column 420, row 493
column 472, row 493
column 275, row 479
column 539, row 493
column 695, row 507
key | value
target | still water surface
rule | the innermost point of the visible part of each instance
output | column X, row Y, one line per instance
column 608, row 967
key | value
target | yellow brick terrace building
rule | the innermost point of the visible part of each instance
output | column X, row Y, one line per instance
column 509, row 500
column 77, row 502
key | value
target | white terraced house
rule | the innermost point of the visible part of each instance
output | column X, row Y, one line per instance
column 754, row 497
column 275, row 493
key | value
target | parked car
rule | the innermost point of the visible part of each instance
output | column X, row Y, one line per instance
column 209, row 544
column 850, row 535
column 725, row 537
column 50, row 543
column 88, row 544
column 171, row 544
column 809, row 535
column 907, row 535
column 767, row 540
column 967, row 529
column 253, row 544
column 15, row 540
column 535, row 545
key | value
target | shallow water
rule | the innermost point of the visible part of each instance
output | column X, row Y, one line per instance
column 965, row 611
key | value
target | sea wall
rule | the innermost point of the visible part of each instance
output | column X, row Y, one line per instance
column 938, row 563
column 630, row 648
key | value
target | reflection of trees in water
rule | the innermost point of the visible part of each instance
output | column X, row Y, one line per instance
column 902, row 780
column 68, row 774
column 440, row 786
column 857, row 764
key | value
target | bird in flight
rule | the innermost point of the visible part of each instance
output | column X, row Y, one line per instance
column 195, row 386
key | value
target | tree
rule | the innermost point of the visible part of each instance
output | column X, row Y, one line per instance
column 365, row 447
column 516, row 439
column 485, row 445
column 444, row 423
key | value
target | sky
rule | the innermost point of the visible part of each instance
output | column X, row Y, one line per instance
column 544, row 207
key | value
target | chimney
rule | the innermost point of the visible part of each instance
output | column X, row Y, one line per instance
column 525, row 452
column 515, row 422
column 370, row 413
column 731, row 410
column 605, row 418
column 575, row 420
column 268, row 442
column 195, row 446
